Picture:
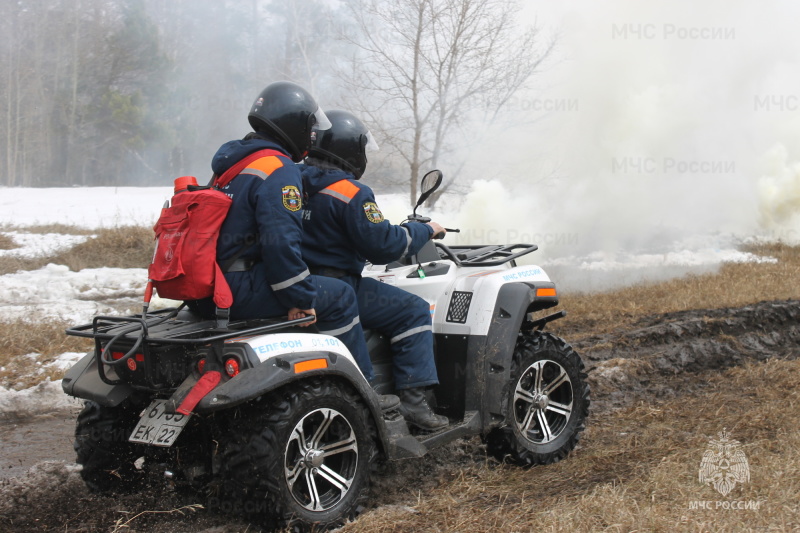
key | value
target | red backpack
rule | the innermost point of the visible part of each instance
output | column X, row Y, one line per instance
column 185, row 264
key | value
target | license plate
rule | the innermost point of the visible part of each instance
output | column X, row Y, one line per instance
column 156, row 427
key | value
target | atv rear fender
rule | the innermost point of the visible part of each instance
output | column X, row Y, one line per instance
column 83, row 380
column 281, row 371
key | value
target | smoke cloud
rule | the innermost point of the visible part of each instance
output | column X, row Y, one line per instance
column 659, row 122
column 663, row 136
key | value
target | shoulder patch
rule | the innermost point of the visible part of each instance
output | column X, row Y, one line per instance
column 343, row 190
column 292, row 199
column 374, row 214
column 263, row 166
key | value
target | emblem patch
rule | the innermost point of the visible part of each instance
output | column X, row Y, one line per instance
column 374, row 214
column 292, row 199
column 724, row 464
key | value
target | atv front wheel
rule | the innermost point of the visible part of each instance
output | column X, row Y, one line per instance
column 301, row 457
column 101, row 443
column 548, row 402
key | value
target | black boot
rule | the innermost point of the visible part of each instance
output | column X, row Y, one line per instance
column 415, row 409
column 388, row 401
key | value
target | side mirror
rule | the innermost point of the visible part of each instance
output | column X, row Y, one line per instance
column 430, row 182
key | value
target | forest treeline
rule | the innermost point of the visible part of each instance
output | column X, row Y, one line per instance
column 137, row 92
column 130, row 92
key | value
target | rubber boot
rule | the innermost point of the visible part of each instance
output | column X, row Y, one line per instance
column 415, row 409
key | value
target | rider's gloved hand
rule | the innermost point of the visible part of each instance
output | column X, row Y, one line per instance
column 438, row 231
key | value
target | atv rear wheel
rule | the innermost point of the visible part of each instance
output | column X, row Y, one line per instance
column 301, row 457
column 101, row 443
column 548, row 402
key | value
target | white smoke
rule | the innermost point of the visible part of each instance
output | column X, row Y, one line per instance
column 659, row 122
column 662, row 127
column 779, row 195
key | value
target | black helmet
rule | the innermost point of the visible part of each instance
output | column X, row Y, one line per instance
column 289, row 112
column 344, row 144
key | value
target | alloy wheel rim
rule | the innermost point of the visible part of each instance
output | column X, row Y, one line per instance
column 543, row 401
column 320, row 460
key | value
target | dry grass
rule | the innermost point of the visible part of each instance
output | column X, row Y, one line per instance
column 64, row 229
column 734, row 285
column 120, row 247
column 10, row 264
column 7, row 243
column 637, row 470
column 24, row 337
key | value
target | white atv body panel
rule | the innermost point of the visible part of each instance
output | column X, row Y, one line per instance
column 272, row 345
column 483, row 282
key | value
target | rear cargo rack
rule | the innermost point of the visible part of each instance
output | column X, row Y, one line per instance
column 176, row 330
column 146, row 333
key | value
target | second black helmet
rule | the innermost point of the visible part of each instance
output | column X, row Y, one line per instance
column 345, row 143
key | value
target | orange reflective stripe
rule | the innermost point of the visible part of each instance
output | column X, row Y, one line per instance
column 345, row 188
column 264, row 165
column 312, row 364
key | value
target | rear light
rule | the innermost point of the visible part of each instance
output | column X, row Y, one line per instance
column 231, row 367
column 118, row 355
column 201, row 366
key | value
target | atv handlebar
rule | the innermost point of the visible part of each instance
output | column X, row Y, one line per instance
column 441, row 235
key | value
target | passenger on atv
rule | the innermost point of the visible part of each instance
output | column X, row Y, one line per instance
column 343, row 227
column 268, row 278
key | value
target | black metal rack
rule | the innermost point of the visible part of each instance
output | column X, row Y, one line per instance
column 485, row 255
column 146, row 334
column 176, row 330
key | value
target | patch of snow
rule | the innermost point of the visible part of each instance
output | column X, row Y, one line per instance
column 65, row 360
column 607, row 261
column 31, row 245
column 86, row 207
column 46, row 397
column 54, row 291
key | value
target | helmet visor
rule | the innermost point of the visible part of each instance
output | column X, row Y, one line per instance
column 372, row 144
column 322, row 122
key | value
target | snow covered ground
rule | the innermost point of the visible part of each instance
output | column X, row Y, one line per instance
column 54, row 292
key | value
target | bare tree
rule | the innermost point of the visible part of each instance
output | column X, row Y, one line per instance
column 423, row 65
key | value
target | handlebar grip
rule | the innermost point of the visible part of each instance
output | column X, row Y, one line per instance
column 439, row 235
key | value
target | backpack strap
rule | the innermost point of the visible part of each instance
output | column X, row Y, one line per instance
column 223, row 314
column 225, row 179
column 235, row 170
column 249, row 241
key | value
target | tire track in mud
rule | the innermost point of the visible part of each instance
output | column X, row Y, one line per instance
column 663, row 356
column 667, row 355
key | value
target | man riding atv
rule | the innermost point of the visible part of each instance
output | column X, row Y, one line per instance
column 343, row 228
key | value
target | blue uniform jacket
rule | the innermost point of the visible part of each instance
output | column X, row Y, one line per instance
column 344, row 227
column 267, row 201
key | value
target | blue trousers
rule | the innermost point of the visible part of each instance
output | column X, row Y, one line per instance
column 336, row 307
column 406, row 319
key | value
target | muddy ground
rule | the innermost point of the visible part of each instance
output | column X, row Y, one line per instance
column 663, row 357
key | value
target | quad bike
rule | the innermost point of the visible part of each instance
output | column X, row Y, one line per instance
column 290, row 433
